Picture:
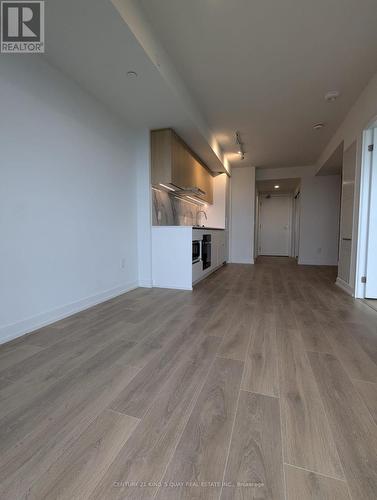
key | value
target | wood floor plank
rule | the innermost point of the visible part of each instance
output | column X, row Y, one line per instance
column 71, row 475
column 146, row 454
column 14, row 355
column 43, row 428
column 261, row 365
column 32, row 456
column 58, row 359
column 353, row 357
column 4, row 383
column 366, row 336
column 311, row 330
column 352, row 425
column 307, row 438
column 236, row 339
column 255, row 463
column 199, row 459
column 368, row 392
column 139, row 394
column 220, row 322
column 305, row 485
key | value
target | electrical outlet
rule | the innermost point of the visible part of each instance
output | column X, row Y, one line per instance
column 122, row 263
column 319, row 250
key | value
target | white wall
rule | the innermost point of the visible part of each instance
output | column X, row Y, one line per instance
column 68, row 203
column 319, row 212
column 242, row 211
column 216, row 213
column 361, row 116
column 144, row 210
column 319, row 220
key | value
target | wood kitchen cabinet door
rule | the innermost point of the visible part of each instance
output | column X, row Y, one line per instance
column 207, row 185
column 182, row 174
column 203, row 180
column 174, row 164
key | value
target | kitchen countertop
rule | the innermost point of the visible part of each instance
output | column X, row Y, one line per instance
column 190, row 227
column 211, row 228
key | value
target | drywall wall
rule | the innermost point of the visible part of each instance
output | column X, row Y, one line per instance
column 68, row 200
column 319, row 212
column 360, row 117
column 144, row 209
column 263, row 174
column 347, row 207
column 319, row 220
column 242, row 209
column 216, row 213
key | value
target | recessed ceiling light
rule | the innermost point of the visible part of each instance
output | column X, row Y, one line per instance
column 277, row 186
column 332, row 95
column 318, row 126
column 131, row 74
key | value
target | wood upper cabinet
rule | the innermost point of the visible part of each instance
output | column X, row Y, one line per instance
column 174, row 164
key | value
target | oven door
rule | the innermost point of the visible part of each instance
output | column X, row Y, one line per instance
column 206, row 251
column 195, row 251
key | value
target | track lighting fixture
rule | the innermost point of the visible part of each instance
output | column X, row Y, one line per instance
column 239, row 143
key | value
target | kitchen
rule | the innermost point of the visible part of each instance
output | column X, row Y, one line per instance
column 190, row 214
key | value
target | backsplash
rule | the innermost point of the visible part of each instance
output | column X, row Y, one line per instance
column 169, row 210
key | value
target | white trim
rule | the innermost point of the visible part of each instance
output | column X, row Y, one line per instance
column 362, row 232
column 15, row 330
column 145, row 284
column 172, row 287
column 251, row 262
column 344, row 286
column 316, row 263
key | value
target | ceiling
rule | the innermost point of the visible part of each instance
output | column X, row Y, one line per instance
column 263, row 67
column 92, row 44
column 285, row 186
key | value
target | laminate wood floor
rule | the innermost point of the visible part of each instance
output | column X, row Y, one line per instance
column 259, row 384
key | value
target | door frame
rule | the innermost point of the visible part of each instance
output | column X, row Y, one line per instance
column 276, row 195
column 363, row 225
column 296, row 216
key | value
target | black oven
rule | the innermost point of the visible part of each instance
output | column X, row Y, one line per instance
column 206, row 251
column 195, row 251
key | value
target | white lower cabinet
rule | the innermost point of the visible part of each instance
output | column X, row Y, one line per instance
column 217, row 252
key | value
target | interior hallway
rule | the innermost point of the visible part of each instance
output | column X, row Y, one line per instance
column 263, row 379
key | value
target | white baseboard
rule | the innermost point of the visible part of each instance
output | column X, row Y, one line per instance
column 172, row 287
column 251, row 262
column 344, row 286
column 304, row 262
column 15, row 330
column 145, row 284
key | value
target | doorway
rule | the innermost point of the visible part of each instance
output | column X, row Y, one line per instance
column 275, row 225
column 366, row 275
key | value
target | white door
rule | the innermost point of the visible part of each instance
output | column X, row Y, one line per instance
column 275, row 225
column 371, row 274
